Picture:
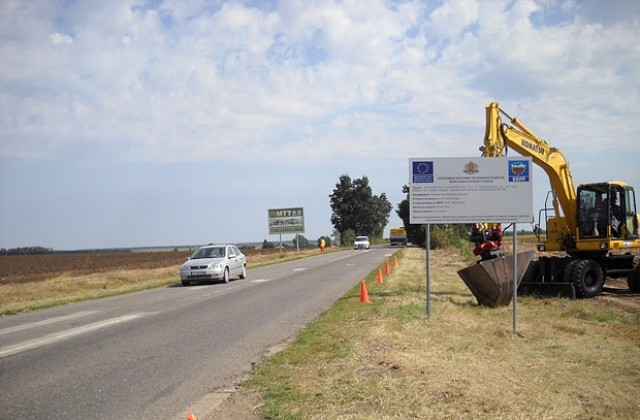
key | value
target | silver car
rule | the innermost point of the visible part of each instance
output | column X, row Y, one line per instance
column 214, row 262
column 361, row 242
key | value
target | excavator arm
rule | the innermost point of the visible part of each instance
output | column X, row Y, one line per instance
column 596, row 243
column 499, row 137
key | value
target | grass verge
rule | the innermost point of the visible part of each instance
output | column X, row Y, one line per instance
column 570, row 359
column 60, row 290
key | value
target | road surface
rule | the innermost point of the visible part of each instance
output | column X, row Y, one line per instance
column 153, row 354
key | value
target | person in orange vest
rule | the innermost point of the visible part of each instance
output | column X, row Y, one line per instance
column 322, row 244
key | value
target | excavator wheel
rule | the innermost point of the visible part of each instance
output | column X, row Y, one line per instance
column 587, row 278
column 569, row 271
column 633, row 279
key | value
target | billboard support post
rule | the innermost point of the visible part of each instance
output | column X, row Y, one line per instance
column 288, row 220
column 427, row 245
column 515, row 279
column 464, row 190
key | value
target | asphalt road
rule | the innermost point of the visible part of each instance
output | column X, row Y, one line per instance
column 151, row 355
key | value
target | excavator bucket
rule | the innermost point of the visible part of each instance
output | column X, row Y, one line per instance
column 491, row 281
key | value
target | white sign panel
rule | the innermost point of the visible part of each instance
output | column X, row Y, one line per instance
column 470, row 190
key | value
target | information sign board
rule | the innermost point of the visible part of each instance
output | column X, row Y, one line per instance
column 290, row 220
column 470, row 190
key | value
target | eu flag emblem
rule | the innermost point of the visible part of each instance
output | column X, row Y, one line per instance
column 422, row 172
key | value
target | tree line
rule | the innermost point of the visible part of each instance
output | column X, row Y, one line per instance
column 40, row 250
column 357, row 211
column 28, row 250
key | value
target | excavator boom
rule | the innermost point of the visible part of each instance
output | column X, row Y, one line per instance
column 499, row 137
column 589, row 230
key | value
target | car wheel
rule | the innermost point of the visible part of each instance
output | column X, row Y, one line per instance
column 186, row 283
column 225, row 276
column 243, row 275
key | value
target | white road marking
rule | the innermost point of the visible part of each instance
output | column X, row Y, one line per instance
column 52, row 338
column 45, row 322
column 260, row 280
column 203, row 288
column 300, row 269
column 349, row 255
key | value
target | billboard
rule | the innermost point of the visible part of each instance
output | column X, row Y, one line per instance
column 290, row 220
column 470, row 190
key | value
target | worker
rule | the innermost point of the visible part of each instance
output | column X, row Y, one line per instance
column 322, row 243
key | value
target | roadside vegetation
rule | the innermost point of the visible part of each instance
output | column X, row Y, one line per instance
column 47, row 285
column 386, row 359
column 355, row 210
column 569, row 359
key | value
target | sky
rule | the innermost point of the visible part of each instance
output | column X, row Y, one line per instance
column 164, row 123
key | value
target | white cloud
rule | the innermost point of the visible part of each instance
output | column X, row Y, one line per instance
column 332, row 77
column 58, row 38
column 271, row 92
column 452, row 18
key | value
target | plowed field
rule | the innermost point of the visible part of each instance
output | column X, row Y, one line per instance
column 29, row 268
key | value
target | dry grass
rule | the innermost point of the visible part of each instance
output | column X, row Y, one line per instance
column 21, row 297
column 571, row 359
column 66, row 288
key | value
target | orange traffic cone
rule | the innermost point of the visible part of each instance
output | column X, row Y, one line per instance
column 379, row 279
column 395, row 261
column 364, row 296
column 191, row 415
column 387, row 269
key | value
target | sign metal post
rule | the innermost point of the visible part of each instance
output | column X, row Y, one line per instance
column 470, row 190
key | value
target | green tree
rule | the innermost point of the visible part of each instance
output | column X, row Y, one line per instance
column 348, row 237
column 304, row 242
column 29, row 250
column 382, row 208
column 415, row 233
column 355, row 207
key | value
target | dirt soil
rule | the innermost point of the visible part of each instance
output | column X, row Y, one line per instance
column 617, row 294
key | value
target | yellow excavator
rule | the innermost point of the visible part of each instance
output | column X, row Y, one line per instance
column 595, row 228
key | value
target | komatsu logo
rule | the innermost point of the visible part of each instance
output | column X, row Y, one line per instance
column 532, row 146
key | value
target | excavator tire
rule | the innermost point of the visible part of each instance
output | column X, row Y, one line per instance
column 633, row 279
column 569, row 271
column 587, row 278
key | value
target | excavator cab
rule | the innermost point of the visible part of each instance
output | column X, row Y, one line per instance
column 595, row 225
column 606, row 211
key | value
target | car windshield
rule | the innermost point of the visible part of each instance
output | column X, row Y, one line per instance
column 361, row 238
column 211, row 252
